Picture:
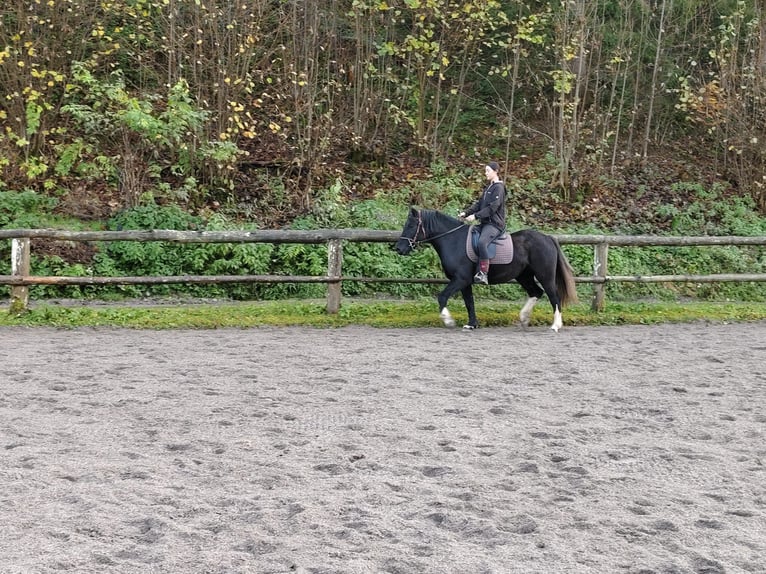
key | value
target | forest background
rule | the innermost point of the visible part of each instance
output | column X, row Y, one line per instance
column 610, row 116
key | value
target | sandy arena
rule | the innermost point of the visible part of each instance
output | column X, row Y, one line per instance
column 633, row 450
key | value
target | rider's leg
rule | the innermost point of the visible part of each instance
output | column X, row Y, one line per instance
column 487, row 235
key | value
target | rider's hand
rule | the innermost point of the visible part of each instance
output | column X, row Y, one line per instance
column 461, row 215
column 470, row 218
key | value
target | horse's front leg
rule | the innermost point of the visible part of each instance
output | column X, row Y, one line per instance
column 473, row 322
column 452, row 287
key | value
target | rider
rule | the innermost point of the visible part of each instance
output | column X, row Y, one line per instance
column 490, row 211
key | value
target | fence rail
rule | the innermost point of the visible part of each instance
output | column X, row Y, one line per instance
column 20, row 279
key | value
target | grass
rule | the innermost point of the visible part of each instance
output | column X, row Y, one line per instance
column 391, row 314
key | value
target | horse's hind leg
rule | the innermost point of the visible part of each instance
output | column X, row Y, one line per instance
column 527, row 280
column 549, row 284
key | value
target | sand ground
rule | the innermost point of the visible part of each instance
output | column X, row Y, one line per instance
column 630, row 450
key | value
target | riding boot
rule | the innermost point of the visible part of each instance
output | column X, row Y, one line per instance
column 481, row 276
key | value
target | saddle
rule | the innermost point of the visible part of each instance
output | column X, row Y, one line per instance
column 500, row 250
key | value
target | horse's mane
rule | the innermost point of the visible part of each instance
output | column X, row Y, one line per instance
column 431, row 214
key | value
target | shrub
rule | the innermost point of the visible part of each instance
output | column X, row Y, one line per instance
column 168, row 258
column 24, row 208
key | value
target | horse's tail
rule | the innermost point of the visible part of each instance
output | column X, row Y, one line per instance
column 565, row 282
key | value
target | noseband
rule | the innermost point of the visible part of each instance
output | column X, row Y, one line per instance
column 414, row 242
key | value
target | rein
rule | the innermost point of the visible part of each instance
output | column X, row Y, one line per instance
column 414, row 242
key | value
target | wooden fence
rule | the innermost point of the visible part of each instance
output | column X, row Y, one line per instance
column 20, row 278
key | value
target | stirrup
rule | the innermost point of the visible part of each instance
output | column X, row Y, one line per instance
column 481, row 277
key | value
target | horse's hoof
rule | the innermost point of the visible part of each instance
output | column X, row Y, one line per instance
column 555, row 328
column 470, row 327
column 449, row 323
column 446, row 318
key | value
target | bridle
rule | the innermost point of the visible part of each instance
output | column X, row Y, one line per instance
column 414, row 242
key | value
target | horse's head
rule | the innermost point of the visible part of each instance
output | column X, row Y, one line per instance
column 412, row 233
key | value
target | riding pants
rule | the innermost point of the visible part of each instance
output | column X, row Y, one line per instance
column 487, row 235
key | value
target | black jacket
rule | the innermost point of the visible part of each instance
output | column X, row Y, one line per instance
column 490, row 208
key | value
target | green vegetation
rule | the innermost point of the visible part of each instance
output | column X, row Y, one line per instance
column 393, row 314
column 213, row 115
column 710, row 214
column 24, row 209
column 212, row 101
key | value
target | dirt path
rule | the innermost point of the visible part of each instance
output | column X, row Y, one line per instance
column 594, row 450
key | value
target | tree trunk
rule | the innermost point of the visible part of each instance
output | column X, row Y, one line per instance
column 655, row 75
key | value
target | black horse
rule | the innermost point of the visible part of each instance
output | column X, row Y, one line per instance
column 537, row 260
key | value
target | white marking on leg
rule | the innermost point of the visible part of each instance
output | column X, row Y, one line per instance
column 447, row 318
column 526, row 311
column 557, row 321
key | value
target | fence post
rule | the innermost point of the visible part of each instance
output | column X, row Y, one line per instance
column 19, row 268
column 600, row 253
column 334, row 269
